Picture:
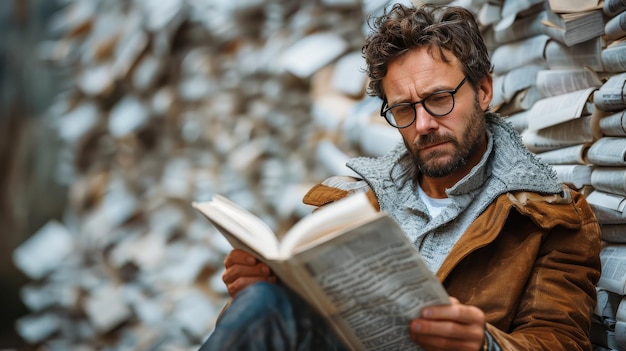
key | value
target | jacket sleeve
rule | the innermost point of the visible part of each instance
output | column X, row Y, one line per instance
column 338, row 187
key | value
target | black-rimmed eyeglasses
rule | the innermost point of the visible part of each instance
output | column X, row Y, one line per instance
column 403, row 114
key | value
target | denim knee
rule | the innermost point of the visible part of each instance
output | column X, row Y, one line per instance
column 258, row 318
column 260, row 301
column 266, row 316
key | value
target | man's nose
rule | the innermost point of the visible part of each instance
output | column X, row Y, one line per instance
column 424, row 121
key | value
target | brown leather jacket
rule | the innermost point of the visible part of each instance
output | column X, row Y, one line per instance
column 529, row 262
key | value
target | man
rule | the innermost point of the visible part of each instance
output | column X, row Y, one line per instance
column 517, row 251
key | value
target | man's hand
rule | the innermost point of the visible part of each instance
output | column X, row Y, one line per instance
column 451, row 327
column 243, row 269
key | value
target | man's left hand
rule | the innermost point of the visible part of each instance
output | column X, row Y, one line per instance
column 455, row 327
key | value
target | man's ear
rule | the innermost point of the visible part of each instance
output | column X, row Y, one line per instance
column 485, row 92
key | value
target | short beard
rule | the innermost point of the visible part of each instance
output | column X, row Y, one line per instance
column 469, row 144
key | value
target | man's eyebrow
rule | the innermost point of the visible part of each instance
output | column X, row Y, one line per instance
column 431, row 91
column 437, row 89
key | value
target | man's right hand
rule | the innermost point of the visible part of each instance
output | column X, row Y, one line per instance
column 243, row 269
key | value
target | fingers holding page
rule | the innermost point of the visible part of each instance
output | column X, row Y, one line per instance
column 242, row 270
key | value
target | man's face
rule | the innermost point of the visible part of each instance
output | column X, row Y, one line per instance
column 437, row 162
column 446, row 145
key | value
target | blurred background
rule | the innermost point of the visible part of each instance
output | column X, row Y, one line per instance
column 29, row 193
column 116, row 114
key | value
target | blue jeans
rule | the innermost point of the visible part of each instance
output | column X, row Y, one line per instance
column 267, row 316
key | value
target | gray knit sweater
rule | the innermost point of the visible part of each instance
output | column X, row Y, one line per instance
column 506, row 166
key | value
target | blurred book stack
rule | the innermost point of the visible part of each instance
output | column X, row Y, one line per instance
column 171, row 102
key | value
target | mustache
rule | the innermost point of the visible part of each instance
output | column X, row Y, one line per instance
column 431, row 139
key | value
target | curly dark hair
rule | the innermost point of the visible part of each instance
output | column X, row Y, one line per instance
column 403, row 28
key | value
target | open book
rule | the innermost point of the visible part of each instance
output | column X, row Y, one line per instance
column 352, row 263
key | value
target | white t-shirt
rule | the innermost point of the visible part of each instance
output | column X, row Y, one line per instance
column 434, row 206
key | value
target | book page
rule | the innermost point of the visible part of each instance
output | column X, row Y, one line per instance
column 558, row 109
column 606, row 207
column 562, row 81
column 570, row 133
column 370, row 283
column 242, row 229
column 574, row 28
column 575, row 176
column 510, row 8
column 520, row 29
column 614, row 233
column 609, row 179
column 614, row 124
column 329, row 219
column 520, row 53
column 568, row 155
column 613, row 7
column 611, row 201
column 613, row 276
column 568, row 6
column 610, row 97
column 523, row 100
column 586, row 54
column 489, row 13
column 614, row 57
column 620, row 325
column 518, row 120
column 516, row 80
column 608, row 151
column 615, row 28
